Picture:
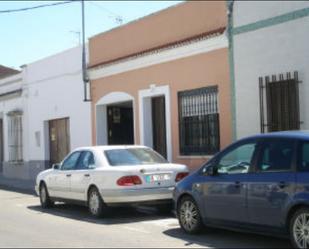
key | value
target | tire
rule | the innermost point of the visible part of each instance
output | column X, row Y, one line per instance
column 299, row 228
column 45, row 200
column 96, row 206
column 189, row 215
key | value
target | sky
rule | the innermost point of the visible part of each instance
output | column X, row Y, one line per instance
column 28, row 36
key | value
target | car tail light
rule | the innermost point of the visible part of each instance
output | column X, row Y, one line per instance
column 181, row 175
column 129, row 181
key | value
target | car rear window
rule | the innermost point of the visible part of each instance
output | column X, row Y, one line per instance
column 133, row 156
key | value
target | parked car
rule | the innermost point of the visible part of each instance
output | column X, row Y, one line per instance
column 105, row 176
column 258, row 184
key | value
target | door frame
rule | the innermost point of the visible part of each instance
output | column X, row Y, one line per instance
column 145, row 114
column 100, row 115
column 68, row 135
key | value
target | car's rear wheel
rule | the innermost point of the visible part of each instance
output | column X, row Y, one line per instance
column 189, row 215
column 299, row 228
column 96, row 205
column 45, row 200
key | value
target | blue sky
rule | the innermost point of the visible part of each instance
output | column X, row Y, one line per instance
column 32, row 35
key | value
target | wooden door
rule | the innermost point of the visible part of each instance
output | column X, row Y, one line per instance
column 1, row 145
column 59, row 139
column 159, row 125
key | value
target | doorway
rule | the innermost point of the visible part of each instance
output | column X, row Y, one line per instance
column 155, row 119
column 159, row 125
column 120, row 123
column 59, row 139
column 1, row 145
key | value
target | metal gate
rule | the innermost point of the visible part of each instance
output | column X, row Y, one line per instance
column 279, row 103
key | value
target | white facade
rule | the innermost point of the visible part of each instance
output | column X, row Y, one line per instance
column 11, row 98
column 52, row 89
column 270, row 38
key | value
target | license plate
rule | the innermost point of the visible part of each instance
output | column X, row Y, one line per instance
column 158, row 177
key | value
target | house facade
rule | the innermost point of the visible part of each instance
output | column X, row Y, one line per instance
column 270, row 57
column 48, row 117
column 163, row 81
column 12, row 116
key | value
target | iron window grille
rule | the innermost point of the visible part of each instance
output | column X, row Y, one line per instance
column 199, row 121
column 15, row 140
column 279, row 103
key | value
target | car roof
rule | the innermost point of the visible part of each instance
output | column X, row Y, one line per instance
column 109, row 147
column 301, row 134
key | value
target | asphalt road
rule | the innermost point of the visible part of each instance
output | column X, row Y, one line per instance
column 24, row 224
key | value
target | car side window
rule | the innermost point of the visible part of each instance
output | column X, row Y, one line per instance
column 238, row 160
column 303, row 157
column 276, row 155
column 70, row 162
column 85, row 161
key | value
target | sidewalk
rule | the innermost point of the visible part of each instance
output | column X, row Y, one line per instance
column 18, row 185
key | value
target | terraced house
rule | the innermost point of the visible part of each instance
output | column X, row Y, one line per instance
column 269, row 61
column 42, row 114
column 163, row 81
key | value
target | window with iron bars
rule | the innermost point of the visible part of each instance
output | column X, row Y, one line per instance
column 15, row 136
column 279, row 103
column 199, row 121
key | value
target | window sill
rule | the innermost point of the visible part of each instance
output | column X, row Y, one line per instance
column 16, row 162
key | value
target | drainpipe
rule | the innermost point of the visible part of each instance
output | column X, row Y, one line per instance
column 84, row 63
column 230, row 6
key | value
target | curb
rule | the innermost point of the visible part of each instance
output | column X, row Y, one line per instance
column 17, row 189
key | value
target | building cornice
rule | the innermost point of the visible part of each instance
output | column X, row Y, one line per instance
column 189, row 47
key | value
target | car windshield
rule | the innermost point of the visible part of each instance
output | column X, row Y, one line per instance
column 133, row 156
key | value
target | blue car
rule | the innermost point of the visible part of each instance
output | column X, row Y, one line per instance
column 258, row 184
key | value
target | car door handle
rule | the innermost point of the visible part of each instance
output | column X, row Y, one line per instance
column 69, row 175
column 282, row 184
column 86, row 175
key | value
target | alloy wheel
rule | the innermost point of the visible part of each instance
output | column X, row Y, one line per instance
column 43, row 194
column 94, row 202
column 301, row 230
column 189, row 215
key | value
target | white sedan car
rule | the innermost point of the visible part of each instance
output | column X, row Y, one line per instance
column 103, row 176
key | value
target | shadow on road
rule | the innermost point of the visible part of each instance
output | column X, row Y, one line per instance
column 214, row 238
column 119, row 215
column 217, row 238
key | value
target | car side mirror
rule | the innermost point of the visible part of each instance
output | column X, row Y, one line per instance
column 56, row 166
column 211, row 170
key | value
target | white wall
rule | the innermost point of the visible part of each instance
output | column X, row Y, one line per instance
column 55, row 90
column 9, row 103
column 273, row 50
column 246, row 12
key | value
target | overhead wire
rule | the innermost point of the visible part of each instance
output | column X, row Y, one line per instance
column 118, row 18
column 35, row 7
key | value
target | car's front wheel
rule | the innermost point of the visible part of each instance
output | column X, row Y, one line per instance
column 189, row 215
column 45, row 200
column 299, row 228
column 95, row 203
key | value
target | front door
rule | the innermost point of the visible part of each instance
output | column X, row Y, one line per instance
column 120, row 125
column 159, row 125
column 59, row 139
column 82, row 175
column 1, row 145
column 271, row 186
column 60, row 182
column 225, row 193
